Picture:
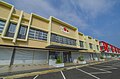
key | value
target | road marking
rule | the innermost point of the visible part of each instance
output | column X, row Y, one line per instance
column 103, row 66
column 99, row 72
column 116, row 64
column 88, row 73
column 63, row 75
column 108, row 67
column 99, row 69
column 35, row 76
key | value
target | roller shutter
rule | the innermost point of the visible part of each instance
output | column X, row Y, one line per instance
column 5, row 56
column 23, row 56
column 40, row 57
column 30, row 56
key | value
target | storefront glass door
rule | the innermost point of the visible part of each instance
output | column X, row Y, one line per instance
column 67, row 57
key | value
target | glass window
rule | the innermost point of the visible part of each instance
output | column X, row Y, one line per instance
column 53, row 37
column 22, row 32
column 2, row 24
column 81, row 44
column 42, row 35
column 32, row 33
column 62, row 40
column 58, row 39
column 74, row 42
column 69, row 41
column 37, row 34
column 91, row 47
column 11, row 30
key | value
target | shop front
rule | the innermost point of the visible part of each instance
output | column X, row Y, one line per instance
column 63, row 53
column 65, row 57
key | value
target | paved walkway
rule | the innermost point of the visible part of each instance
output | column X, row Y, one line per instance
column 106, row 70
column 17, row 68
column 21, row 69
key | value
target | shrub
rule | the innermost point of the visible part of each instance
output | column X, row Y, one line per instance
column 112, row 55
column 81, row 58
column 101, row 57
column 58, row 60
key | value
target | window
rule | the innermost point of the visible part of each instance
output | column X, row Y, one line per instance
column 91, row 47
column 81, row 44
column 31, row 33
column 62, row 39
column 42, row 35
column 59, row 39
column 11, row 30
column 37, row 34
column 73, row 42
column 22, row 32
column 2, row 24
column 53, row 38
column 69, row 41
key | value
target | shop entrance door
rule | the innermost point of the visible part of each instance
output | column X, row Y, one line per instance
column 67, row 57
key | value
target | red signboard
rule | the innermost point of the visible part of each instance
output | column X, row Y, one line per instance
column 64, row 29
column 104, row 47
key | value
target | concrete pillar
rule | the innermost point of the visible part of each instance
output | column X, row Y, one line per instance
column 30, row 20
column 17, row 27
column 49, row 30
column 7, row 22
column 77, row 39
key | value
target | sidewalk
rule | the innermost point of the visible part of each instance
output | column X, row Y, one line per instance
column 33, row 69
column 19, row 69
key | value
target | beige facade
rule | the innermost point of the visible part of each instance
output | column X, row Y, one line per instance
column 31, row 37
column 51, row 26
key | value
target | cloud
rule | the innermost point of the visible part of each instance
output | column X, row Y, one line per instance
column 73, row 12
column 93, row 8
column 41, row 7
column 96, row 33
column 84, row 14
column 44, row 8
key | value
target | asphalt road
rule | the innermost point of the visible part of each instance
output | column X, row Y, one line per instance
column 109, row 70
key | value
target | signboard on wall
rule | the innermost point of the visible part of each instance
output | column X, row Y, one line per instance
column 64, row 29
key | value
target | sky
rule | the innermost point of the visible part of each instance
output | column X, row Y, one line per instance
column 99, row 19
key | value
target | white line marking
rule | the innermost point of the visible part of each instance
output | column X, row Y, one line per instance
column 108, row 67
column 63, row 75
column 35, row 76
column 88, row 73
column 103, row 66
column 99, row 72
column 116, row 65
column 99, row 69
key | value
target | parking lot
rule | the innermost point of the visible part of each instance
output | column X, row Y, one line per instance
column 108, row 70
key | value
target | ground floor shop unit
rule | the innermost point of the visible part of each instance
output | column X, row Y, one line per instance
column 110, row 55
column 18, row 56
column 91, row 56
column 15, row 56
